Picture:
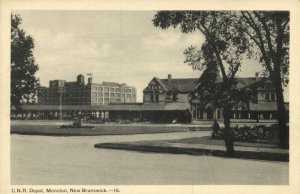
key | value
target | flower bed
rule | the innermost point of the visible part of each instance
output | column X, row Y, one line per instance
column 255, row 134
column 75, row 126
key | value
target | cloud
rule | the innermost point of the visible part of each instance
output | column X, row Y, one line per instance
column 171, row 38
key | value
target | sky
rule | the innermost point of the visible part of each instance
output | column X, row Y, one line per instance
column 115, row 46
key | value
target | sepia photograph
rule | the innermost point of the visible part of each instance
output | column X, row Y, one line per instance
column 148, row 97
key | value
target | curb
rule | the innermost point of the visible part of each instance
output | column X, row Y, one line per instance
column 195, row 151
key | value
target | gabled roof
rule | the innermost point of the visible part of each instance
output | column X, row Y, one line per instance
column 181, row 85
column 241, row 81
column 161, row 83
column 206, row 72
column 164, row 88
column 248, row 81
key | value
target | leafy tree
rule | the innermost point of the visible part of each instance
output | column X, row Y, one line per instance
column 268, row 35
column 23, row 66
column 221, row 53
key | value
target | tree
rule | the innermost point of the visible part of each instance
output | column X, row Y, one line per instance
column 221, row 52
column 23, row 66
column 268, row 35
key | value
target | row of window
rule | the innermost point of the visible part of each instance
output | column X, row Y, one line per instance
column 106, row 101
column 154, row 87
column 112, row 99
column 209, row 114
column 66, row 103
column 155, row 97
column 270, row 96
column 109, row 89
column 94, row 88
column 117, row 95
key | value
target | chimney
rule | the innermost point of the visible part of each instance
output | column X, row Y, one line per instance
column 90, row 81
column 256, row 76
column 80, row 80
column 169, row 78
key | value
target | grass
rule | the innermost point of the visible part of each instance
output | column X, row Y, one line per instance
column 208, row 141
column 214, row 148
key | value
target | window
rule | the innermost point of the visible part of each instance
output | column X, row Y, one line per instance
column 106, row 89
column 118, row 90
column 273, row 96
column 174, row 97
column 267, row 96
column 106, row 94
column 151, row 98
column 218, row 114
column 156, row 98
column 168, row 97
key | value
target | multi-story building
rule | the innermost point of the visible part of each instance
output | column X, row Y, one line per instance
column 169, row 90
column 110, row 92
column 177, row 91
column 79, row 93
column 165, row 100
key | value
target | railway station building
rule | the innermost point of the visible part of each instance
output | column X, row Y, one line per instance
column 165, row 100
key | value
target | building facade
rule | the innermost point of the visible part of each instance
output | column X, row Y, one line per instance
column 79, row 93
column 262, row 107
column 164, row 100
column 169, row 90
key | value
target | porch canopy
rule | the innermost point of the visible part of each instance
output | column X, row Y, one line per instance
column 111, row 107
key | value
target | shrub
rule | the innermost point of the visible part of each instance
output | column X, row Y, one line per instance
column 255, row 134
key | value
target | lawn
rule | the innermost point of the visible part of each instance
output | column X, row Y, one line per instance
column 207, row 140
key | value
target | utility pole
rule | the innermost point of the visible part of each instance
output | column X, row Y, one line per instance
column 60, row 104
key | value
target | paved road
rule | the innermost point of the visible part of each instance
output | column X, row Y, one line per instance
column 74, row 160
